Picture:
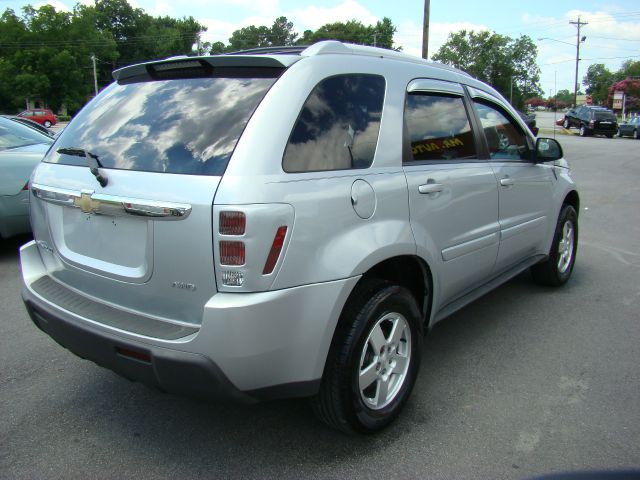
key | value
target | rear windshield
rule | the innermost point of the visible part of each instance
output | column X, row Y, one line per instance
column 604, row 116
column 187, row 126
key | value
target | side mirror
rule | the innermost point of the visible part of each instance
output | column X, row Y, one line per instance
column 547, row 150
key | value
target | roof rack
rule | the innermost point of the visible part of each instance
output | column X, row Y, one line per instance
column 334, row 47
column 291, row 50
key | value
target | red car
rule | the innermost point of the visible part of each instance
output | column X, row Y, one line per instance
column 43, row 116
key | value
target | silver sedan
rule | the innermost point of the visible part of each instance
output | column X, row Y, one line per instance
column 21, row 149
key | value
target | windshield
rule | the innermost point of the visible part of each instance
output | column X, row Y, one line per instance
column 14, row 135
column 188, row 126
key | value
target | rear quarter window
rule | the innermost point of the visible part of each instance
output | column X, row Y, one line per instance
column 338, row 126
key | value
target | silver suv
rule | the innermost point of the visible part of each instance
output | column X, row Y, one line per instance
column 288, row 223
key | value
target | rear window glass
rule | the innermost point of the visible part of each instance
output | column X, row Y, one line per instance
column 187, row 126
column 604, row 116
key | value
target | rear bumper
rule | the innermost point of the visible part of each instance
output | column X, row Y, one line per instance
column 169, row 370
column 249, row 346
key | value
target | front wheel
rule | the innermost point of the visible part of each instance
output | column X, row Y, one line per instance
column 47, row 123
column 373, row 361
column 583, row 131
column 566, row 123
column 556, row 270
column 635, row 134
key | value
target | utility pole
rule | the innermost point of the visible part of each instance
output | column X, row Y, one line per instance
column 375, row 39
column 95, row 77
column 578, row 41
column 511, row 94
column 425, row 31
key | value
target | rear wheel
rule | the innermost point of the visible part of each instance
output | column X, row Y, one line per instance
column 635, row 134
column 373, row 361
column 47, row 123
column 556, row 270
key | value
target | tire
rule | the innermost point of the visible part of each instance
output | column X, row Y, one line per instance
column 556, row 270
column 47, row 123
column 385, row 317
column 566, row 123
column 609, row 135
column 635, row 134
column 583, row 131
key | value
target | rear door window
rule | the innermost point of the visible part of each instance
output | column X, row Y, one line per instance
column 338, row 126
column 187, row 126
column 438, row 128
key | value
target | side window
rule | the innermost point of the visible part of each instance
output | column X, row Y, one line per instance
column 505, row 138
column 438, row 128
column 338, row 126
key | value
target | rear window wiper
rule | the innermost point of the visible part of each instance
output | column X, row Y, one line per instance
column 92, row 161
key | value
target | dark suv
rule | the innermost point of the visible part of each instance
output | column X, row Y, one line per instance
column 592, row 120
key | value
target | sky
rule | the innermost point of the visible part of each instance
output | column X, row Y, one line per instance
column 612, row 33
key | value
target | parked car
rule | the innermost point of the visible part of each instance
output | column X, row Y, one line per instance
column 630, row 128
column 43, row 116
column 30, row 123
column 21, row 149
column 592, row 120
column 293, row 227
column 530, row 121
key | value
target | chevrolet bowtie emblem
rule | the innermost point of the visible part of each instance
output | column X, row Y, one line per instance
column 86, row 203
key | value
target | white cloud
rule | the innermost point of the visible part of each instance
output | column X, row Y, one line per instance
column 312, row 17
column 611, row 37
column 409, row 35
column 58, row 5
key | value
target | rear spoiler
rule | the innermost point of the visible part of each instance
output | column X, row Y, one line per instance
column 189, row 67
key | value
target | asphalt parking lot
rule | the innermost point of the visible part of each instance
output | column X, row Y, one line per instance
column 525, row 381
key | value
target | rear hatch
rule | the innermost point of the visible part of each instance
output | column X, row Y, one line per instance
column 122, row 205
column 605, row 122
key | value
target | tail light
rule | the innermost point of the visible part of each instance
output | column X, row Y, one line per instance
column 274, row 253
column 232, row 253
column 26, row 186
column 232, row 223
column 249, row 241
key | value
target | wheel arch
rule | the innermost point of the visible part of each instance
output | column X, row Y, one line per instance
column 572, row 198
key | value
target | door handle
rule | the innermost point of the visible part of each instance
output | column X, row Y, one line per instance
column 430, row 188
column 507, row 182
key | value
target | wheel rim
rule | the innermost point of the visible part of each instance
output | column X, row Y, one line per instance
column 582, row 131
column 565, row 247
column 384, row 361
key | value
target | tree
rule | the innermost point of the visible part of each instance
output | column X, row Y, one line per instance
column 46, row 54
column 353, row 31
column 565, row 96
column 598, row 80
column 631, row 88
column 509, row 65
column 282, row 33
column 630, row 68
